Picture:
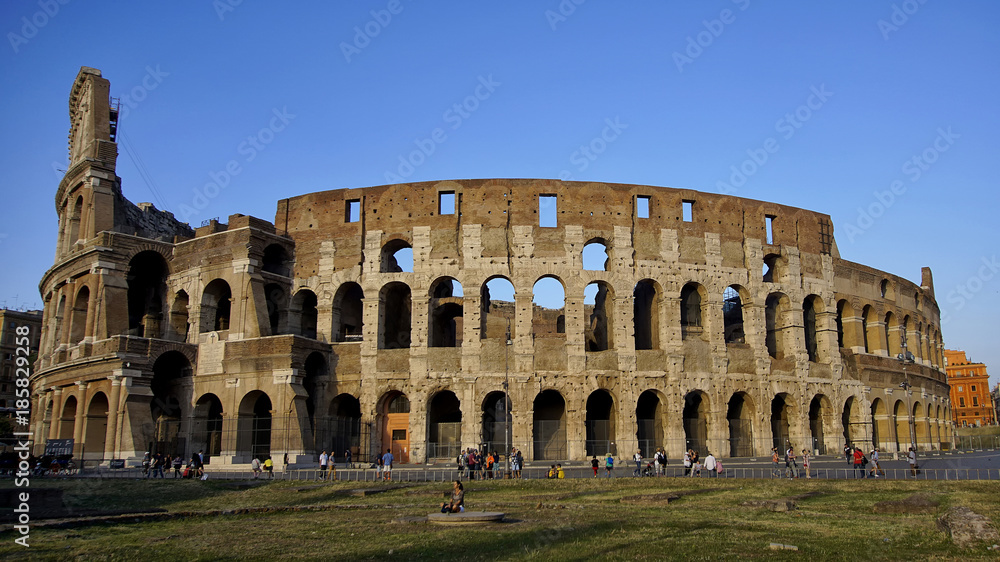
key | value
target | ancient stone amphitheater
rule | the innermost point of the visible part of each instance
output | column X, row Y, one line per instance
column 614, row 317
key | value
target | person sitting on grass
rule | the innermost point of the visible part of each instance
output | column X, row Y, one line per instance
column 559, row 471
column 457, row 502
column 552, row 472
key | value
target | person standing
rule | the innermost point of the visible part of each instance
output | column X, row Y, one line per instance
column 269, row 467
column 387, row 459
column 695, row 464
column 687, row 462
column 911, row 459
column 805, row 462
column 595, row 465
column 518, row 463
column 322, row 466
column 859, row 459
column 178, row 463
column 710, row 465
column 347, row 459
column 848, row 453
column 609, row 465
column 637, row 457
column 791, row 467
column 876, row 468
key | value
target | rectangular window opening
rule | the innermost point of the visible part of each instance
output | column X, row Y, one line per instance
column 353, row 210
column 547, row 211
column 688, row 208
column 446, row 203
column 769, row 224
column 642, row 206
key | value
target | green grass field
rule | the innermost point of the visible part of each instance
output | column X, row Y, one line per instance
column 582, row 519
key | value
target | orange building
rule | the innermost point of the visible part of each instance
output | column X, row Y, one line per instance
column 971, row 402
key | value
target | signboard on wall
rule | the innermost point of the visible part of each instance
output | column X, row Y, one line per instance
column 57, row 447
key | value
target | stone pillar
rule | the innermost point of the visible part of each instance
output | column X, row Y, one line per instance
column 111, row 437
column 81, row 407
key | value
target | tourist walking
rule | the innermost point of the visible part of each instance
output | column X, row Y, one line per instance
column 637, row 457
column 911, row 459
column 178, row 463
column 322, row 466
column 387, row 459
column 876, row 467
column 687, row 462
column 660, row 461
column 858, row 456
column 595, row 465
column 710, row 465
column 609, row 465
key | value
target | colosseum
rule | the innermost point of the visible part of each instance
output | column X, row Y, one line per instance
column 411, row 317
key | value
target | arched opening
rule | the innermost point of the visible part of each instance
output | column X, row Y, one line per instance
column 774, row 320
column 649, row 417
column 276, row 298
column 691, row 310
column 780, row 416
column 394, row 308
column 891, row 343
column 394, row 420
column 598, row 307
column 847, row 334
column 695, row 418
column 216, row 302
column 207, row 431
column 445, row 313
column 880, row 424
column 171, row 386
column 348, row 312
column 549, row 303
column 96, row 428
column 497, row 422
column 809, row 326
column 740, row 414
column 78, row 323
column 600, row 423
column 772, row 272
column 496, row 320
column 59, row 322
column 179, row 324
column 920, row 429
column 819, row 412
column 732, row 315
column 315, row 374
column 549, row 426
column 646, row 314
column 67, row 421
column 901, row 420
column 304, row 315
column 849, row 413
column 254, row 426
column 345, row 427
column 147, row 289
column 595, row 256
column 444, row 426
column 74, row 221
column 868, row 329
column 276, row 260
column 397, row 257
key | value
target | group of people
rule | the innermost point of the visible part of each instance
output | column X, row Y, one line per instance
column 257, row 466
column 155, row 464
column 328, row 465
column 791, row 462
column 857, row 459
column 693, row 464
column 473, row 463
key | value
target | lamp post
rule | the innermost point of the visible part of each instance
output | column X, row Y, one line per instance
column 906, row 358
column 506, row 398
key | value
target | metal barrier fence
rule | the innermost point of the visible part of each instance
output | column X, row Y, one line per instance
column 534, row 473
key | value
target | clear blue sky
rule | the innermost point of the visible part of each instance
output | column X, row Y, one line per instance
column 200, row 80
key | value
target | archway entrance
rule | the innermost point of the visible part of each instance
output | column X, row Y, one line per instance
column 779, row 423
column 549, row 421
column 254, row 426
column 395, row 422
column 345, row 427
column 444, row 426
column 817, row 412
column 600, row 423
column 495, row 429
column 696, row 422
column 96, row 427
column 740, row 417
column 649, row 421
column 207, row 432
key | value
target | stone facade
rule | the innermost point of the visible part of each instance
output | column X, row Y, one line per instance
column 10, row 343
column 708, row 321
column 972, row 402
